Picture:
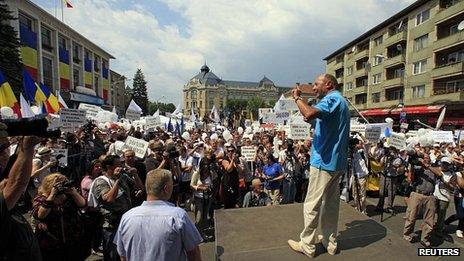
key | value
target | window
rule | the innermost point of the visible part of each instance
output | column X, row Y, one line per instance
column 453, row 29
column 97, row 82
column 454, row 86
column 193, row 94
column 394, row 94
column 377, row 78
column 47, row 39
column 419, row 67
column 76, row 53
column 377, row 60
column 360, row 98
column 421, row 42
column 418, row 91
column 76, row 77
column 422, row 17
column 88, row 55
column 25, row 21
column 349, row 86
column 96, row 64
column 47, row 71
column 456, row 57
column 349, row 70
column 397, row 73
column 376, row 97
column 62, row 42
column 339, row 59
column 378, row 41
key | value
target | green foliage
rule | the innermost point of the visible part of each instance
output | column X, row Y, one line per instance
column 163, row 107
column 10, row 62
column 254, row 104
column 139, row 91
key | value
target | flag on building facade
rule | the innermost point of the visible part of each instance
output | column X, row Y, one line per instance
column 7, row 97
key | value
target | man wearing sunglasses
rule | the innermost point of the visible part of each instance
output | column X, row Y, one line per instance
column 328, row 161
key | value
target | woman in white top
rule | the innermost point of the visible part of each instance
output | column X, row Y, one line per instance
column 201, row 184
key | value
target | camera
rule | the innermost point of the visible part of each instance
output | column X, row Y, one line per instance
column 172, row 152
column 36, row 126
column 62, row 186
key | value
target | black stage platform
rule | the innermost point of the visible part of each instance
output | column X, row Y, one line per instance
column 262, row 234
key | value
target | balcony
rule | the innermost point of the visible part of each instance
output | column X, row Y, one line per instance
column 447, row 70
column 396, row 38
column 394, row 82
column 361, row 72
column 395, row 60
column 448, row 41
column 361, row 106
column 358, row 90
column 361, row 54
column 446, row 13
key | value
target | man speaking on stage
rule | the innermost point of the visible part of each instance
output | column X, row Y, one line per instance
column 329, row 159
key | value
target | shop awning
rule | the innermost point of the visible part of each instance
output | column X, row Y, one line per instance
column 447, row 120
column 418, row 109
column 376, row 112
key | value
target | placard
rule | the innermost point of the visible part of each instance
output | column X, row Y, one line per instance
column 151, row 122
column 373, row 133
column 442, row 136
column 299, row 131
column 106, row 116
column 397, row 140
column 263, row 111
column 90, row 110
column 132, row 115
column 404, row 125
column 282, row 116
column 137, row 145
column 248, row 152
column 74, row 116
column 62, row 156
column 361, row 128
column 286, row 105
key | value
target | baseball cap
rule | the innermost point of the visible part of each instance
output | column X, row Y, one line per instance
column 447, row 160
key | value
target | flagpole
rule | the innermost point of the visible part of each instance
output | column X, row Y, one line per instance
column 62, row 12
column 56, row 9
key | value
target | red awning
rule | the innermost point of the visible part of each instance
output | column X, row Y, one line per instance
column 418, row 109
column 448, row 120
column 376, row 112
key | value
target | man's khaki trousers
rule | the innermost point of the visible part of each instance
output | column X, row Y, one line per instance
column 320, row 210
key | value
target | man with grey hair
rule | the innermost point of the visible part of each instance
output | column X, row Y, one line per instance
column 157, row 230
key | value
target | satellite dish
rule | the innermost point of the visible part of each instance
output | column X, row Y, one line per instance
column 461, row 26
column 399, row 47
column 440, row 119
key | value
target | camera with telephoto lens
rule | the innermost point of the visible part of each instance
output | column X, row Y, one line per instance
column 36, row 126
column 62, row 186
column 172, row 152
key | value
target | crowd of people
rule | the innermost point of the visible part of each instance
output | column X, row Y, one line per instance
column 105, row 199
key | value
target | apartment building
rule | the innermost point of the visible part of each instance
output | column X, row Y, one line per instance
column 411, row 64
column 60, row 57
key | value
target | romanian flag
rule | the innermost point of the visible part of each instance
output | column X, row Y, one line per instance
column 40, row 94
column 7, row 97
column 67, row 3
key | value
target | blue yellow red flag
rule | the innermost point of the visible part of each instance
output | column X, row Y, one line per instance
column 7, row 97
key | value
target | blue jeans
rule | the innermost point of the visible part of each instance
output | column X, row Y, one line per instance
column 110, row 252
column 289, row 191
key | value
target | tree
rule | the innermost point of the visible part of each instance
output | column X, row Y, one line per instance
column 163, row 107
column 234, row 108
column 253, row 105
column 10, row 62
column 139, row 91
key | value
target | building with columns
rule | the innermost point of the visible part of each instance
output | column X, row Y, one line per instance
column 57, row 55
column 206, row 90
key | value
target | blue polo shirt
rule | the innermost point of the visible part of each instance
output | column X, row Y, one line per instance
column 332, row 130
column 273, row 171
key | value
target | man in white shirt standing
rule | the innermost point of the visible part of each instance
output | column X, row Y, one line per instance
column 186, row 168
column 157, row 230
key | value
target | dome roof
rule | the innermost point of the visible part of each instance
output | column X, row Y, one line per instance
column 206, row 77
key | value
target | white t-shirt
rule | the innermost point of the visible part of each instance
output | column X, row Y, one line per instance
column 186, row 162
column 38, row 179
column 207, row 181
column 441, row 192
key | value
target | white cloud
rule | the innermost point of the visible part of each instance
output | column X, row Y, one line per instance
column 241, row 40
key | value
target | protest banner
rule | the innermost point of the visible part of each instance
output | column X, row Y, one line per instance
column 248, row 152
column 263, row 111
column 373, row 133
column 132, row 115
column 74, row 116
column 397, row 140
column 137, row 145
column 106, row 116
column 361, row 128
column 299, row 131
column 151, row 122
column 90, row 110
column 404, row 125
column 269, row 117
column 282, row 116
column 61, row 155
column 442, row 136
column 285, row 104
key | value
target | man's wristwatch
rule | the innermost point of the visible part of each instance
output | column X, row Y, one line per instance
column 297, row 98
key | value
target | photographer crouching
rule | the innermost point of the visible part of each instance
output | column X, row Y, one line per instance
column 57, row 222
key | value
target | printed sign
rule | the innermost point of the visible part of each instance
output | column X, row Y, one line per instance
column 397, row 140
column 286, row 105
column 443, row 136
column 137, row 145
column 74, row 116
column 90, row 110
column 361, row 128
column 248, row 152
column 152, row 122
column 282, row 116
column 373, row 133
column 299, row 131
column 106, row 116
column 61, row 155
column 132, row 115
column 404, row 125
column 263, row 111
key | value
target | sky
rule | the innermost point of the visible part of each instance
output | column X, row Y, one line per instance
column 285, row 40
